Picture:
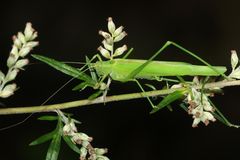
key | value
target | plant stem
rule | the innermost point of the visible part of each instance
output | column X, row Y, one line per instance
column 121, row 97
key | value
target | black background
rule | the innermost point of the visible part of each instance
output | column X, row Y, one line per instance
column 68, row 31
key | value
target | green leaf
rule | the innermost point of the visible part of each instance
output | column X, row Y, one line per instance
column 43, row 138
column 128, row 53
column 169, row 99
column 54, row 147
column 67, row 69
column 48, row 118
column 95, row 95
column 73, row 146
column 80, row 86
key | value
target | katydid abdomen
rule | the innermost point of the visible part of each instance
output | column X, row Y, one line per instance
column 119, row 69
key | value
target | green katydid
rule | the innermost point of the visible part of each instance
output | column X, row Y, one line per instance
column 129, row 69
column 125, row 70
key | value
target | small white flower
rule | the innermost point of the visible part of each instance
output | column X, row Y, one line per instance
column 234, row 59
column 119, row 51
column 77, row 137
column 12, row 75
column 118, row 31
column 21, row 37
column 2, row 76
column 100, row 151
column 8, row 90
column 34, row 36
column 21, row 63
column 12, row 59
column 102, row 158
column 104, row 34
column 120, row 36
column 14, row 50
column 104, row 52
column 69, row 128
column 24, row 51
column 83, row 153
column 32, row 44
column 17, row 42
column 235, row 73
column 107, row 45
column 205, row 117
column 28, row 32
column 196, row 121
column 111, row 25
column 109, row 41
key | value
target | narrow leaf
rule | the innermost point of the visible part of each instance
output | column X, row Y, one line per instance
column 80, row 86
column 43, row 138
column 54, row 147
column 48, row 118
column 67, row 69
column 128, row 53
column 169, row 99
column 95, row 95
column 73, row 146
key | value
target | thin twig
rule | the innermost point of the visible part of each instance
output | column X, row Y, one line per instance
column 121, row 97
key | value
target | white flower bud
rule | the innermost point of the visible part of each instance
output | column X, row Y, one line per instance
column 118, row 31
column 208, row 107
column 28, row 31
column 236, row 73
column 2, row 76
column 21, row 63
column 35, row 34
column 105, row 53
column 24, row 51
column 11, row 59
column 100, row 151
column 8, row 90
column 119, row 51
column 109, row 41
column 81, row 137
column 111, row 25
column 17, row 42
column 120, row 36
column 83, row 153
column 102, row 158
column 32, row 44
column 67, row 129
column 209, row 116
column 85, row 144
column 104, row 34
column 21, row 37
column 73, row 127
column 107, row 46
column 234, row 59
column 14, row 50
column 195, row 123
column 12, row 75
